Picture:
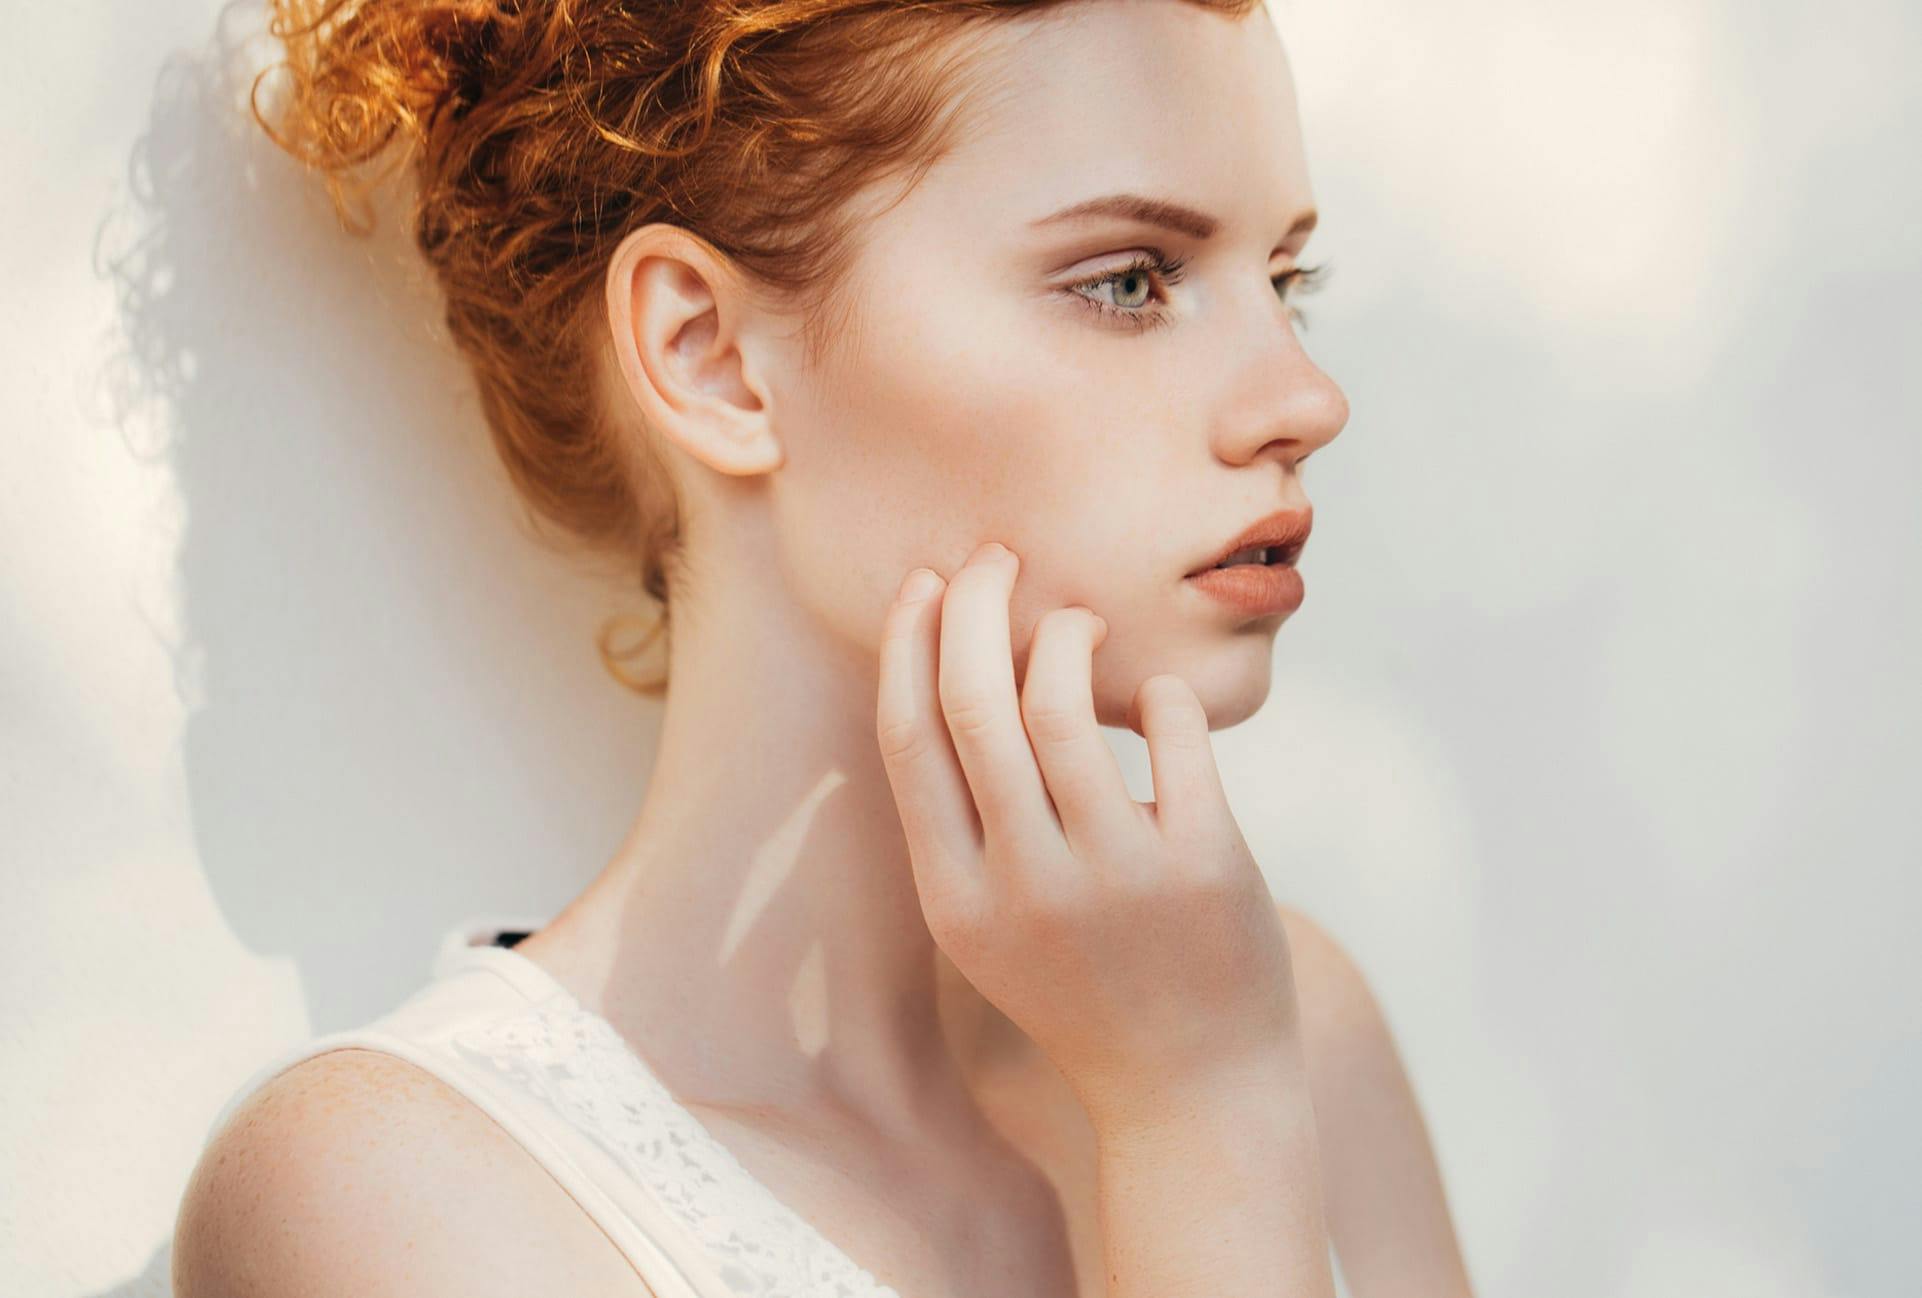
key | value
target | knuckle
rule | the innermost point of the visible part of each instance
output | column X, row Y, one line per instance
column 900, row 739
column 1049, row 708
column 967, row 714
column 1049, row 721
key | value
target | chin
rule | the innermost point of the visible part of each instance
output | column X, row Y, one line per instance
column 1231, row 682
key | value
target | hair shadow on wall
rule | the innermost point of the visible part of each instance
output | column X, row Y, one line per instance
column 396, row 714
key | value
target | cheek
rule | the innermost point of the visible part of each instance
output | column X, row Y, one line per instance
column 938, row 429
column 953, row 420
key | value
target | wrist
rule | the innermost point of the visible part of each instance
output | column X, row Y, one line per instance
column 1222, row 1149
column 1266, row 1091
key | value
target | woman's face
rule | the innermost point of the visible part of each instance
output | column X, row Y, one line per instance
column 1114, row 435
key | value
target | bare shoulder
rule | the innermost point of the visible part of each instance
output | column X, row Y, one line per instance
column 1343, row 1030
column 1387, row 1209
column 357, row 1172
column 1336, row 1001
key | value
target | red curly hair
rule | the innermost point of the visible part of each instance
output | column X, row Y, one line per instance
column 542, row 133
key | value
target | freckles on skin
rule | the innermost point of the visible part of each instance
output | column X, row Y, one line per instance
column 1019, row 436
column 977, row 399
column 980, row 404
column 959, row 416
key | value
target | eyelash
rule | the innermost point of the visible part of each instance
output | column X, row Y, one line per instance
column 1169, row 270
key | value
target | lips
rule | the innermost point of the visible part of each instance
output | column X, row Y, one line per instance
column 1286, row 529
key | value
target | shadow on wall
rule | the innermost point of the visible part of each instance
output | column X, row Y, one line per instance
column 396, row 715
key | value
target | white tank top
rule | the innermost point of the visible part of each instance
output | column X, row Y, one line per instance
column 689, row 1218
column 499, row 1029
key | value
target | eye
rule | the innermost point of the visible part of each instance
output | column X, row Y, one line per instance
column 1126, row 303
column 1302, row 279
column 1129, row 282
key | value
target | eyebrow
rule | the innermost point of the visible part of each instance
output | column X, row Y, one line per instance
column 1162, row 212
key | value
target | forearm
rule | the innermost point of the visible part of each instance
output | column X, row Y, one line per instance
column 1218, row 1192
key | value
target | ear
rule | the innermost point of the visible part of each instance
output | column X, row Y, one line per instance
column 681, row 322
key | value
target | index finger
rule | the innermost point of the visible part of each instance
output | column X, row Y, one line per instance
column 930, row 791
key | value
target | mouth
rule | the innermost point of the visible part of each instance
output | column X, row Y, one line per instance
column 1252, row 589
column 1271, row 556
column 1274, row 542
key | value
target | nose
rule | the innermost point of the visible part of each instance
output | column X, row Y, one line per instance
column 1288, row 405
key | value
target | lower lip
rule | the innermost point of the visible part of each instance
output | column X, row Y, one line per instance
column 1257, row 589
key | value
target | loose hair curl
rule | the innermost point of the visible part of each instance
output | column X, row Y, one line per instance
column 543, row 131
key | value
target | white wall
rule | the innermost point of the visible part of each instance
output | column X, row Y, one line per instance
column 1594, row 741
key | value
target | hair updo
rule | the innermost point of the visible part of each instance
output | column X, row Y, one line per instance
column 543, row 131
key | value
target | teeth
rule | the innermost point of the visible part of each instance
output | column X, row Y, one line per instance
column 1257, row 554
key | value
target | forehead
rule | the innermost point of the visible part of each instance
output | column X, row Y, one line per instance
column 1156, row 96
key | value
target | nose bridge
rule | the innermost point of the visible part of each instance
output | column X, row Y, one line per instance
column 1285, row 396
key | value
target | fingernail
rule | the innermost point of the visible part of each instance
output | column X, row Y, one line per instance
column 921, row 583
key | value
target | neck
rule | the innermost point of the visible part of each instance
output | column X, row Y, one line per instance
column 758, row 936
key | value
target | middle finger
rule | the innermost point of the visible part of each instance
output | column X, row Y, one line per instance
column 1083, row 780
column 978, row 698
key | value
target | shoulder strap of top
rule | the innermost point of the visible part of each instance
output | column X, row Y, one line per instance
column 498, row 1029
column 475, row 988
column 547, row 1147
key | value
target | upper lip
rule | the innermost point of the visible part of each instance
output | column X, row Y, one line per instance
column 1285, row 528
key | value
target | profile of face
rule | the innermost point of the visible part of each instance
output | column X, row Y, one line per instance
column 1112, row 399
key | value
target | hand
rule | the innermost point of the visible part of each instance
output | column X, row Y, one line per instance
column 1135, row 943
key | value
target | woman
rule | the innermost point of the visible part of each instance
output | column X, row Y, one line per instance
column 892, row 988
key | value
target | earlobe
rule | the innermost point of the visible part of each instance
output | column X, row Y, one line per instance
column 677, row 315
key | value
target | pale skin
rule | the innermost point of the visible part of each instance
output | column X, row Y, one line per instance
column 811, row 932
column 1134, row 943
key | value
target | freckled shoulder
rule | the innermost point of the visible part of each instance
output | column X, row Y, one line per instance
column 356, row 1172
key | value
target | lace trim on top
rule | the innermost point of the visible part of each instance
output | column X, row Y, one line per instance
column 574, row 1061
